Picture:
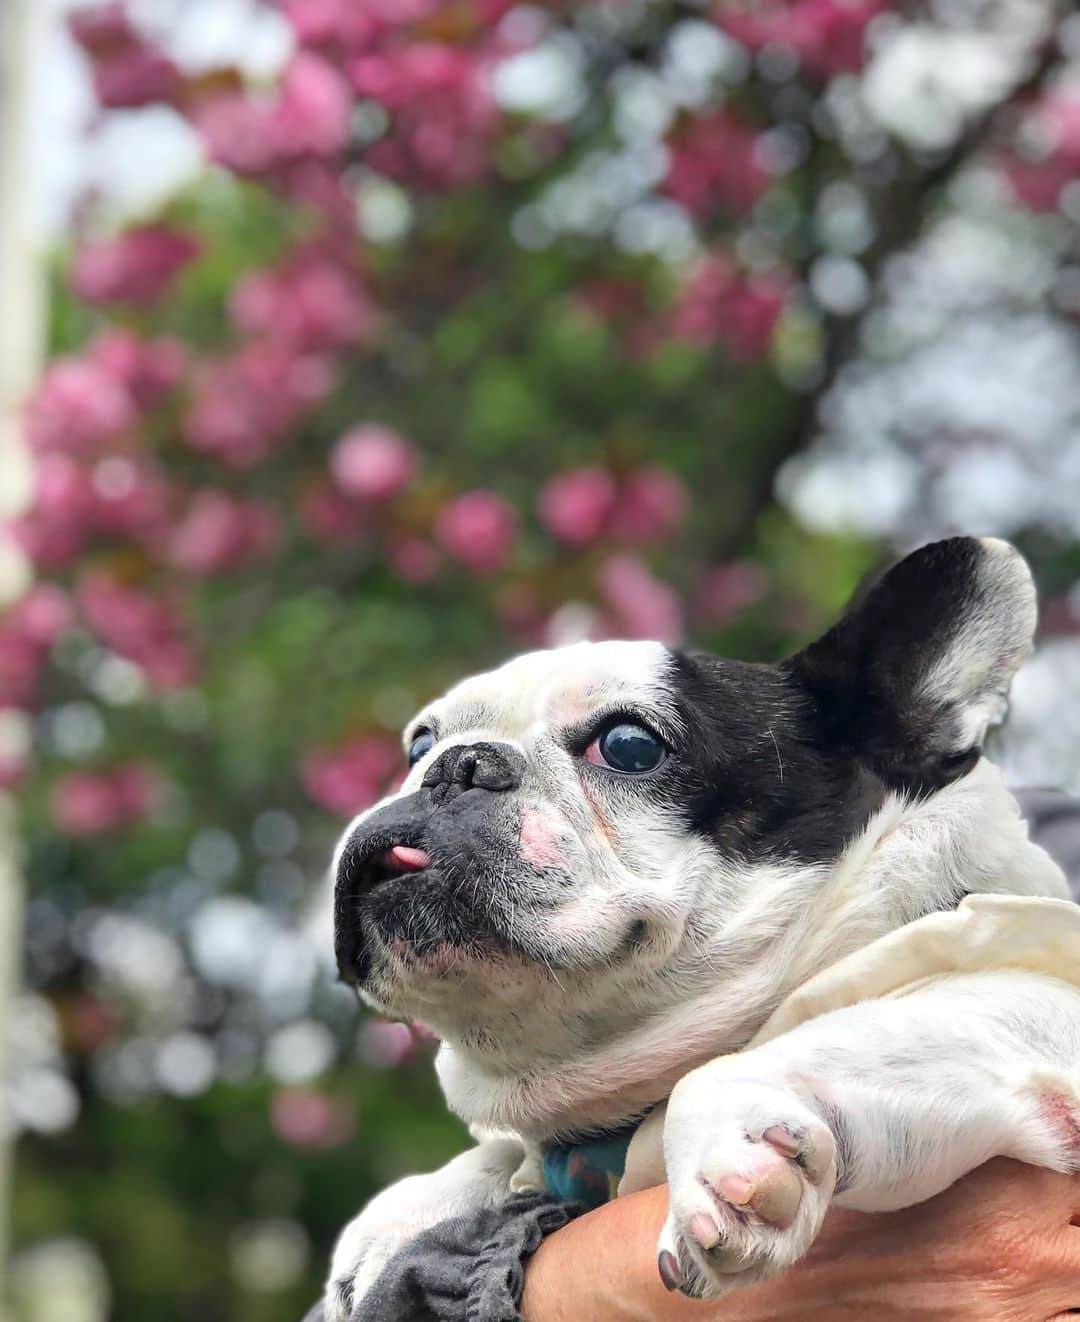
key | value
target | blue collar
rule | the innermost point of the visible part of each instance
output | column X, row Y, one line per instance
column 589, row 1170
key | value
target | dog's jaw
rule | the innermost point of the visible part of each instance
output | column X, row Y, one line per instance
column 913, row 858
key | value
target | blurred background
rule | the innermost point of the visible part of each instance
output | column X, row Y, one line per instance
column 352, row 345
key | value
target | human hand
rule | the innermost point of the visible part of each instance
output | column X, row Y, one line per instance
column 1001, row 1245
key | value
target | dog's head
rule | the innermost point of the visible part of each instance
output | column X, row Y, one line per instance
column 592, row 833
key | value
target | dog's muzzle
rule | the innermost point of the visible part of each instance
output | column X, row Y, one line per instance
column 415, row 870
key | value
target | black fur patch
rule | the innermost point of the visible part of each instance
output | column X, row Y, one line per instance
column 760, row 774
column 793, row 759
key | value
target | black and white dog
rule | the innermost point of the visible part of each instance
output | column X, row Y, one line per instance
column 613, row 866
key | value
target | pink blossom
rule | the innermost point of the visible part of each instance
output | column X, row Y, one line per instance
column 699, row 309
column 139, row 626
column 243, row 406
column 137, row 266
column 753, row 309
column 27, row 631
column 20, row 668
column 726, row 590
column 715, row 166
column 719, row 305
column 330, row 516
column 651, row 504
column 92, row 802
column 137, row 75
column 443, row 115
column 413, row 559
column 336, row 26
column 220, row 532
column 309, row 1118
column 479, row 529
column 314, row 114
column 346, row 779
column 97, row 27
column 235, row 130
column 317, row 185
column 1038, row 179
column 828, row 36
column 149, row 369
column 644, row 606
column 131, row 498
column 372, row 463
column 41, row 615
column 14, row 764
column 385, row 1045
column 575, row 506
column 60, row 521
column 312, row 303
column 311, row 116
column 127, row 70
column 77, row 407
column 117, row 497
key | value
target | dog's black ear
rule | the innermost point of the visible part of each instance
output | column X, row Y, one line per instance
column 920, row 665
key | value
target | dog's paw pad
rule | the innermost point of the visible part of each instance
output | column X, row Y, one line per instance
column 750, row 1180
column 771, row 1191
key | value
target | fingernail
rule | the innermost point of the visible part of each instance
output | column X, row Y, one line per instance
column 670, row 1271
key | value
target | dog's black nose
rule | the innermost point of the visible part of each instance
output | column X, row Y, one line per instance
column 482, row 766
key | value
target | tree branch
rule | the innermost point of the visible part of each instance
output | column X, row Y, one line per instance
column 901, row 219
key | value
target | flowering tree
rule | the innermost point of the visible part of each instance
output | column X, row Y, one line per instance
column 486, row 327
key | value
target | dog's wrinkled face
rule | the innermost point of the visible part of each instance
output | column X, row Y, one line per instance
column 581, row 829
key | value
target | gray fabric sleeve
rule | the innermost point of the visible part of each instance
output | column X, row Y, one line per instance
column 469, row 1268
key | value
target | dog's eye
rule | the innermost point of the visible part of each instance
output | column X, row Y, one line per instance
column 422, row 743
column 626, row 747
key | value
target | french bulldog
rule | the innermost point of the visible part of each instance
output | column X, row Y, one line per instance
column 612, row 863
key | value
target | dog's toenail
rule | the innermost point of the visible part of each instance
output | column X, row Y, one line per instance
column 782, row 1140
column 705, row 1230
column 670, row 1271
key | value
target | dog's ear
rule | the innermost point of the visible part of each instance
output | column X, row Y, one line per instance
column 920, row 665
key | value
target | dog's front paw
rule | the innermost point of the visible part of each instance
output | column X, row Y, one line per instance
column 364, row 1248
column 395, row 1217
column 751, row 1170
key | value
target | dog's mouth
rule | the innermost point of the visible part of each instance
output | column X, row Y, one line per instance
column 398, row 861
column 379, row 861
column 426, row 909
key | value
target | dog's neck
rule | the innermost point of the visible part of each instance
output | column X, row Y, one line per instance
column 911, row 859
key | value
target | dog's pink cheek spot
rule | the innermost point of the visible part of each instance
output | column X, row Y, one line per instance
column 1063, row 1115
column 539, row 840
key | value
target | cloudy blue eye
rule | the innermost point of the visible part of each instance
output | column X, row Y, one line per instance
column 422, row 743
column 626, row 747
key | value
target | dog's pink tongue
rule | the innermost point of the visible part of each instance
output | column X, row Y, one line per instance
column 412, row 860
